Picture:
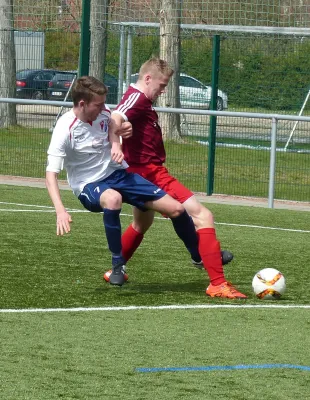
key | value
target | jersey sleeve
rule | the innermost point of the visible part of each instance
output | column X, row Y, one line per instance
column 58, row 145
column 131, row 106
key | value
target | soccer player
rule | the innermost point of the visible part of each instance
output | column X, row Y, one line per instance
column 85, row 142
column 144, row 151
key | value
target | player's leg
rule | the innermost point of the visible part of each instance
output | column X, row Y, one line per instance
column 164, row 205
column 160, row 176
column 133, row 235
column 210, row 250
column 181, row 221
column 141, row 193
column 98, row 197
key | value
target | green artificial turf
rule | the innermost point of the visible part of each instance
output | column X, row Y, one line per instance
column 97, row 353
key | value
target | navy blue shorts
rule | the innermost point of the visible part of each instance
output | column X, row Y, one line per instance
column 134, row 189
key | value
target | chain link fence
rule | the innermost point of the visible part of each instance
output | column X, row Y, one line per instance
column 264, row 67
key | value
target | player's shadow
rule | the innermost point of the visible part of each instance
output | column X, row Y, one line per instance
column 134, row 288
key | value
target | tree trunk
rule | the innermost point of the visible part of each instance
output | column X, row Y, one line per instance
column 98, row 47
column 170, row 16
column 7, row 64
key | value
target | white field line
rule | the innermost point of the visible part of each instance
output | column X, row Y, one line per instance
column 42, row 211
column 51, row 209
column 168, row 307
column 24, row 205
column 263, row 227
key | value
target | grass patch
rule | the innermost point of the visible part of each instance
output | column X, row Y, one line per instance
column 95, row 354
column 242, row 172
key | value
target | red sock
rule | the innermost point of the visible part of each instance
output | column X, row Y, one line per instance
column 210, row 252
column 131, row 240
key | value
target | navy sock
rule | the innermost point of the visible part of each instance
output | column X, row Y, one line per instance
column 185, row 229
column 113, row 233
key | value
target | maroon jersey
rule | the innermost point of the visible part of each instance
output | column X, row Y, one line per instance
column 146, row 144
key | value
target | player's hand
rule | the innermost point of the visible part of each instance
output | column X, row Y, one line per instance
column 126, row 130
column 63, row 223
column 116, row 153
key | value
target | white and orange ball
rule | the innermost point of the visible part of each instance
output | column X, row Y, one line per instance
column 269, row 284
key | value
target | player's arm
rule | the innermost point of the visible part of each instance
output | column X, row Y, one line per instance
column 116, row 150
column 124, row 127
column 51, row 180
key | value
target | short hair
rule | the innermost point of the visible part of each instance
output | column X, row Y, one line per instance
column 86, row 87
column 156, row 65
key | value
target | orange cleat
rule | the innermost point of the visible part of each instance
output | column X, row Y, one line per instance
column 107, row 274
column 225, row 290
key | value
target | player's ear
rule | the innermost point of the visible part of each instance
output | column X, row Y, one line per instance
column 147, row 79
column 82, row 103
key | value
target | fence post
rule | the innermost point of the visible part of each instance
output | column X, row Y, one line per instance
column 122, row 49
column 272, row 167
column 85, row 39
column 129, row 57
column 213, row 106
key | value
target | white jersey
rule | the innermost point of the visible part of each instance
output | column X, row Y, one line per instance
column 83, row 149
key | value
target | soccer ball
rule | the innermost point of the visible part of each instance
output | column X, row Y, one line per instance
column 268, row 283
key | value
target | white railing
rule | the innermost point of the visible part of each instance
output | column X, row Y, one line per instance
column 274, row 119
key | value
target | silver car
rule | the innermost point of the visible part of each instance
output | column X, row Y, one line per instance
column 194, row 94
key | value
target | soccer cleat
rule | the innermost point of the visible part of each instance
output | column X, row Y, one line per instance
column 227, row 257
column 107, row 274
column 117, row 275
column 225, row 290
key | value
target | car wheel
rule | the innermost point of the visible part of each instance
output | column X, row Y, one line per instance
column 37, row 95
column 219, row 104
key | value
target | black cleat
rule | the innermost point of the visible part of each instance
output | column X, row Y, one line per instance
column 227, row 257
column 117, row 276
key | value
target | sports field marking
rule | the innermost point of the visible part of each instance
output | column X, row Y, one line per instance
column 38, row 209
column 263, row 227
column 223, row 368
column 138, row 308
column 51, row 209
column 43, row 211
column 24, row 205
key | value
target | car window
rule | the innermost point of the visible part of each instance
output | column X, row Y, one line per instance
column 134, row 78
column 23, row 74
column 39, row 77
column 109, row 80
column 63, row 77
column 47, row 76
column 186, row 81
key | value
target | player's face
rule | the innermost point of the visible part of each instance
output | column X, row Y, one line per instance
column 92, row 109
column 156, row 85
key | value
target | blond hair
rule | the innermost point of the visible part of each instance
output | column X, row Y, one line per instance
column 155, row 65
column 85, row 88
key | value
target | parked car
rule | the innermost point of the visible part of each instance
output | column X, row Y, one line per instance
column 33, row 83
column 58, row 87
column 60, row 84
column 194, row 94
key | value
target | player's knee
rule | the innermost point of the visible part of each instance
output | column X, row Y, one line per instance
column 111, row 199
column 207, row 215
column 203, row 218
column 177, row 210
column 206, row 218
column 141, row 226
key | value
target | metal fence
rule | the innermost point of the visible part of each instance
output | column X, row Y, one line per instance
column 244, row 164
column 264, row 68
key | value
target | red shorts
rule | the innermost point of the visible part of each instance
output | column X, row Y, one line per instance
column 160, row 176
